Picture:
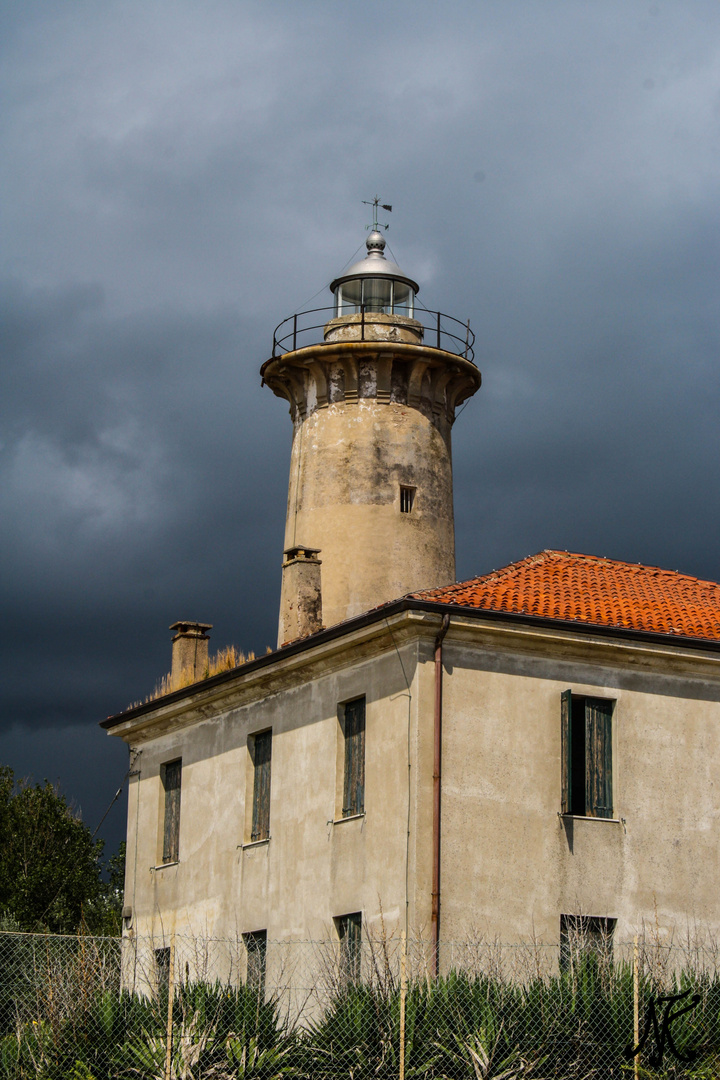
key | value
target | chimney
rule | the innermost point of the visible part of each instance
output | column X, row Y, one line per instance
column 301, row 601
column 189, row 652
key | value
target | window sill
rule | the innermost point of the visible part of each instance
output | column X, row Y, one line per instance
column 589, row 817
column 350, row 817
column 255, row 843
column 165, row 865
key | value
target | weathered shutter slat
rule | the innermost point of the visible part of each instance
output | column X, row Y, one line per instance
column 598, row 750
column 566, row 749
column 172, row 777
column 262, row 761
column 360, row 763
column 354, row 778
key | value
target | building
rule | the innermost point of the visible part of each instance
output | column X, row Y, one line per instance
column 501, row 756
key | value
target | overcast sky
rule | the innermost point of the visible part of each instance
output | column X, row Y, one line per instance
column 177, row 177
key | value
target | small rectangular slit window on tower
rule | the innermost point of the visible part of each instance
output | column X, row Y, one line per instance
column 407, row 498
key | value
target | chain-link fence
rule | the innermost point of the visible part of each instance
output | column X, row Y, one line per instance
column 358, row 1006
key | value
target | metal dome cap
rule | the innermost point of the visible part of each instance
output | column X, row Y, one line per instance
column 375, row 265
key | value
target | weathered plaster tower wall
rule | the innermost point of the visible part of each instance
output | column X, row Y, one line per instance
column 371, row 466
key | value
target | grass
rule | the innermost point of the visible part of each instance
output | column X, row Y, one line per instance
column 224, row 660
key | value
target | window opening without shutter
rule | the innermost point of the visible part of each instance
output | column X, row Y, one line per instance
column 585, row 935
column 256, row 946
column 350, row 933
column 162, row 967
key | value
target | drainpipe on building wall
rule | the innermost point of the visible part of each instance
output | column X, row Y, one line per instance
column 437, row 765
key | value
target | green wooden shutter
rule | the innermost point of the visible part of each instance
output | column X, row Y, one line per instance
column 171, row 777
column 566, row 750
column 598, row 753
column 354, row 777
column 262, row 757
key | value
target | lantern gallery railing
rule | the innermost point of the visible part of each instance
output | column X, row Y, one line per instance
column 438, row 330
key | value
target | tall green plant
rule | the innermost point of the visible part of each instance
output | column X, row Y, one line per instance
column 575, row 1026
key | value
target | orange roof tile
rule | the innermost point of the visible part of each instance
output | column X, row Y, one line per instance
column 587, row 589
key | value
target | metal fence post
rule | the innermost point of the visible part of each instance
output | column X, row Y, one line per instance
column 636, row 1007
column 403, row 995
column 171, row 995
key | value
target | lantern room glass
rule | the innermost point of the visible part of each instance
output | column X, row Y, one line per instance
column 382, row 295
column 377, row 295
column 403, row 299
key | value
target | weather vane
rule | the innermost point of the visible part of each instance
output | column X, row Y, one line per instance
column 383, row 206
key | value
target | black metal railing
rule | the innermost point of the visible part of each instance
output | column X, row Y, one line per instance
column 300, row 330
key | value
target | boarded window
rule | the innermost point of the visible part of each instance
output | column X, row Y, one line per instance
column 261, row 753
column 171, row 774
column 586, row 746
column 349, row 928
column 585, row 935
column 256, row 947
column 354, row 772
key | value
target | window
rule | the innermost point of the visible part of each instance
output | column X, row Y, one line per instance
column 256, row 946
column 407, row 498
column 162, row 967
column 261, row 753
column 587, row 788
column 349, row 928
column 375, row 294
column 354, row 769
column 171, row 775
column 585, row 935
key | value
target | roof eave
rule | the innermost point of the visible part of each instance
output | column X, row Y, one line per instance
column 702, row 645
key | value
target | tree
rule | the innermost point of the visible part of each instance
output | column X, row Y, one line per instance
column 104, row 916
column 50, row 872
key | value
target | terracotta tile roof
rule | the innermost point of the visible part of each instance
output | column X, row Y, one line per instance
column 588, row 589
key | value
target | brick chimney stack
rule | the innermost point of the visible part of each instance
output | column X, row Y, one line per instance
column 189, row 651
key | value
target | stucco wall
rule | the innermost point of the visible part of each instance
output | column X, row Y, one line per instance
column 347, row 465
column 311, row 870
column 510, row 864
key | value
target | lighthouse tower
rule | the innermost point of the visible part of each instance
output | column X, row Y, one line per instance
column 373, row 384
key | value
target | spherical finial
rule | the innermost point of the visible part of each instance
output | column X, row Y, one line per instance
column 375, row 243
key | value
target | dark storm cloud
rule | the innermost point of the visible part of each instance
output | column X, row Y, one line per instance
column 179, row 177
